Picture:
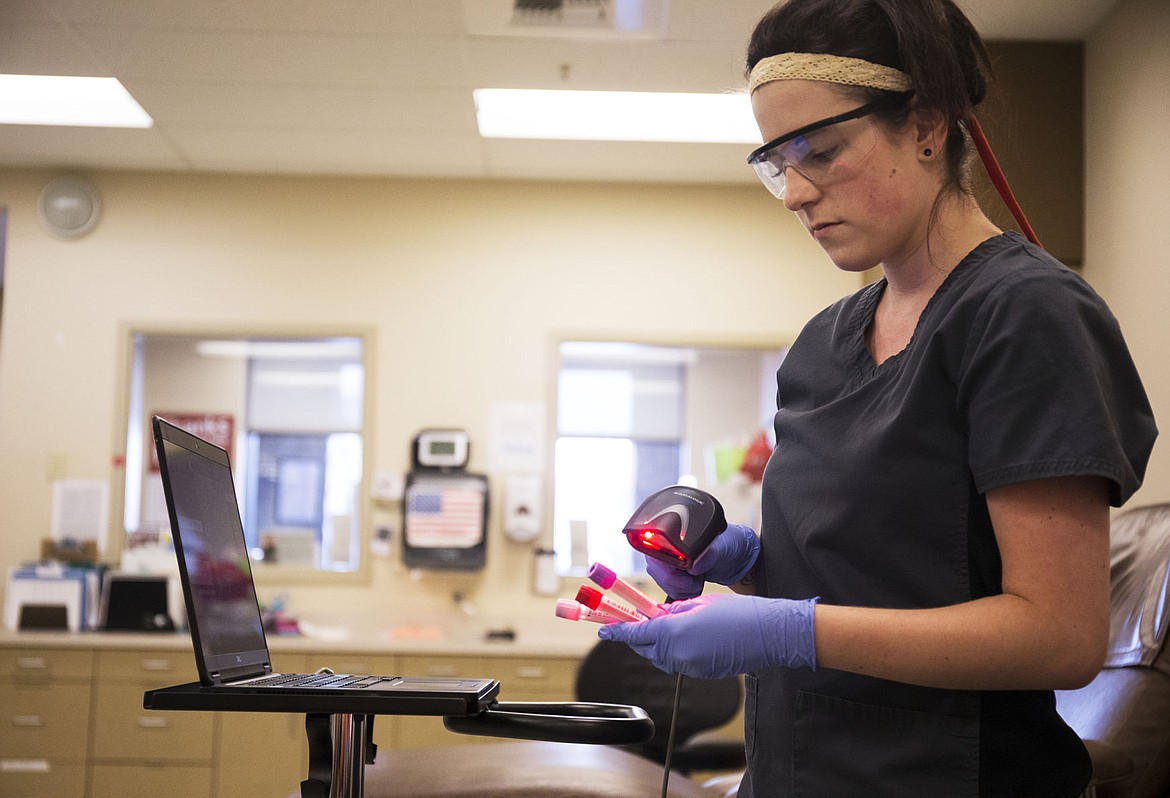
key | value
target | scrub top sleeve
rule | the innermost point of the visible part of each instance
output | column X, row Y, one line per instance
column 1048, row 387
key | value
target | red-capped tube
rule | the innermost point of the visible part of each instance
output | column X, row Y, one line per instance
column 594, row 599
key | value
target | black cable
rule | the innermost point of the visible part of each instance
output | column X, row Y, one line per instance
column 670, row 736
column 673, row 717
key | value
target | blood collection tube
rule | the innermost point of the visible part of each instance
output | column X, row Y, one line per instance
column 594, row 599
column 573, row 611
column 608, row 580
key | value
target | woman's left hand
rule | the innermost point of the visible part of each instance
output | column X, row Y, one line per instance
column 721, row 635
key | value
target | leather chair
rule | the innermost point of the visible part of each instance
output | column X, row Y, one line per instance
column 1124, row 714
column 612, row 673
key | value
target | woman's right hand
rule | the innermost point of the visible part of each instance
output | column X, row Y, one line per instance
column 726, row 561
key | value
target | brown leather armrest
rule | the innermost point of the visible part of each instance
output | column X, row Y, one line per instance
column 1109, row 764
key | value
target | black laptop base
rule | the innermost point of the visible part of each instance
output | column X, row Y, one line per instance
column 198, row 697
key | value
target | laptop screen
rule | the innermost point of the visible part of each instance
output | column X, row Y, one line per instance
column 225, row 617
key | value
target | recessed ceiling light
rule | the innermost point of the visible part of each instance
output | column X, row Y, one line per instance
column 67, row 100
column 615, row 116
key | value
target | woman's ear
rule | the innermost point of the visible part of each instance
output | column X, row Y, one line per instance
column 930, row 133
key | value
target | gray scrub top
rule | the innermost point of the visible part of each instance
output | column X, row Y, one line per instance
column 874, row 496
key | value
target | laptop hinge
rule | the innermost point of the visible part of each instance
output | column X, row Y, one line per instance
column 228, row 675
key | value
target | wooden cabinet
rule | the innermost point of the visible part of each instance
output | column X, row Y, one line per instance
column 426, row 731
column 44, row 721
column 72, row 722
column 534, row 678
column 521, row 679
column 134, row 750
column 260, row 755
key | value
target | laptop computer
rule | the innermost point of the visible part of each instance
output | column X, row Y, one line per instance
column 227, row 633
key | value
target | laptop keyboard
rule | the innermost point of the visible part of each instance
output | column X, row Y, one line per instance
column 320, row 680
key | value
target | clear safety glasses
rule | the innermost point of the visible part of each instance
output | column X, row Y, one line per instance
column 821, row 152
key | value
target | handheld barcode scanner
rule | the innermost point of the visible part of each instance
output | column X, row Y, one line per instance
column 676, row 525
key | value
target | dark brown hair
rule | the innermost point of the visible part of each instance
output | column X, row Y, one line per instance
column 930, row 40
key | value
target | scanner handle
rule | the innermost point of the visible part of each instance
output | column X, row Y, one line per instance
column 559, row 722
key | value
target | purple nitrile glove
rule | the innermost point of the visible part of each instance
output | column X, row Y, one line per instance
column 726, row 561
column 712, row 637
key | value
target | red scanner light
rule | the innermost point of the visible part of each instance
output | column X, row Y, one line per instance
column 655, row 544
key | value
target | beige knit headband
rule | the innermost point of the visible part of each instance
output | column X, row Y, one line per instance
column 829, row 68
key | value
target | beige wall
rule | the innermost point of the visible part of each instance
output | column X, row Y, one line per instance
column 465, row 286
column 1127, row 195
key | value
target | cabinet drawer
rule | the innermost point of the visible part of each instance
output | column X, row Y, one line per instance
column 146, row 781
column 40, row 778
column 262, row 754
column 283, row 662
column 155, row 668
column 40, row 665
column 124, row 730
column 535, row 678
column 428, row 731
column 360, row 664
column 466, row 667
column 44, row 721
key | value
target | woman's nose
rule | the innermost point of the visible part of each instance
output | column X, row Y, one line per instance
column 798, row 189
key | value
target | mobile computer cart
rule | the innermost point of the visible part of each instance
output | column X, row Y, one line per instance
column 340, row 727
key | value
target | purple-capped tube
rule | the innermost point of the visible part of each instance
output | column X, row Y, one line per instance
column 608, row 580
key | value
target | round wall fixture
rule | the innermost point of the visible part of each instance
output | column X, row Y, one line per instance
column 69, row 207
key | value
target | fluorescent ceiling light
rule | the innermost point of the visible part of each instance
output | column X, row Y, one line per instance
column 73, row 101
column 615, row 116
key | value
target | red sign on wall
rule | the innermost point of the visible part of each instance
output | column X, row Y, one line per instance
column 217, row 428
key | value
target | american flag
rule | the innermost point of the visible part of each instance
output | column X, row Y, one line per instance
column 444, row 517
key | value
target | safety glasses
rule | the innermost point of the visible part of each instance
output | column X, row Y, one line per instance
column 821, row 152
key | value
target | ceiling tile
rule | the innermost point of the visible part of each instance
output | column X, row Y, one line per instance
column 45, row 49
column 405, row 18
column 89, row 148
column 385, row 85
column 306, row 59
column 206, row 105
column 342, row 152
column 623, row 161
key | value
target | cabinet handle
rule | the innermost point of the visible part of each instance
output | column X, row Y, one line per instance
column 156, row 664
column 32, row 663
column 153, row 723
column 27, row 720
column 25, row 766
column 531, row 672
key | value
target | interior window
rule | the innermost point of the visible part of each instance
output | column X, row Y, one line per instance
column 632, row 419
column 290, row 412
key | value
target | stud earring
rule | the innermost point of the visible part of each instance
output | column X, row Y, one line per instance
column 928, row 152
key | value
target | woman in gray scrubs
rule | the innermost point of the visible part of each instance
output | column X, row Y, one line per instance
column 933, row 555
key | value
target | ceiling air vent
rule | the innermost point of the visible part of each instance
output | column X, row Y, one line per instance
column 573, row 13
column 593, row 19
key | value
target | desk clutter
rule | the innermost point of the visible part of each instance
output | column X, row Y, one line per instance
column 80, row 598
column 52, row 596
